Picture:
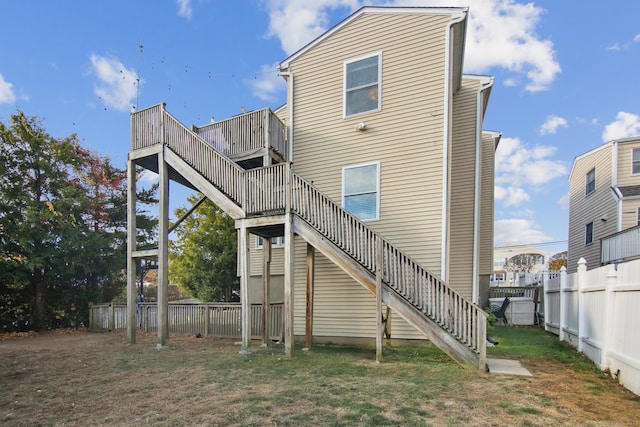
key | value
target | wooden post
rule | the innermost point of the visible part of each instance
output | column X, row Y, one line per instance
column 311, row 261
column 163, row 252
column 112, row 318
column 379, row 323
column 266, row 290
column 245, row 315
column 266, row 116
column 132, row 291
column 288, row 270
column 207, row 320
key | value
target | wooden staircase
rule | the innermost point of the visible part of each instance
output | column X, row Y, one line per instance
column 451, row 322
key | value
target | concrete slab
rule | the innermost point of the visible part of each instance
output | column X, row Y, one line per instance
column 507, row 367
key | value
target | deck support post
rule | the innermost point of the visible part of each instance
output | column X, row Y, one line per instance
column 132, row 291
column 311, row 260
column 288, row 269
column 163, row 251
column 243, row 250
column 379, row 321
column 266, row 289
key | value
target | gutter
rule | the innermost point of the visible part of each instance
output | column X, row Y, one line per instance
column 289, row 74
column 445, row 149
column 487, row 84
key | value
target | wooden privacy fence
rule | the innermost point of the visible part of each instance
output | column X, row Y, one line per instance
column 221, row 320
column 596, row 311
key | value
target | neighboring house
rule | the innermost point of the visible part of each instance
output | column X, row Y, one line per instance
column 518, row 265
column 604, row 201
column 380, row 196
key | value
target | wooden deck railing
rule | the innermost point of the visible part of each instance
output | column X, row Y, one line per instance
column 266, row 189
column 402, row 274
column 246, row 133
column 146, row 127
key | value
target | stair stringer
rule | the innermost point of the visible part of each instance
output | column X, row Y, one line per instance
column 203, row 184
column 443, row 339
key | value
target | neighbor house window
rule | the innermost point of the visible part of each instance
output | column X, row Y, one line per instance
column 361, row 190
column 635, row 161
column 362, row 85
column 276, row 242
column 589, row 234
column 591, row 181
column 638, row 217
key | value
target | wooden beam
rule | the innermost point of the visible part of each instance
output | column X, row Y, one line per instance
column 379, row 324
column 243, row 252
column 163, row 252
column 186, row 215
column 266, row 290
column 203, row 185
column 311, row 262
column 132, row 290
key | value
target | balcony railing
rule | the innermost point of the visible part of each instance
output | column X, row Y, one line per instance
column 620, row 246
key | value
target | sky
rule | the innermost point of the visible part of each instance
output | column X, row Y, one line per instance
column 565, row 78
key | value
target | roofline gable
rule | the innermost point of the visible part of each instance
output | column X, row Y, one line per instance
column 454, row 12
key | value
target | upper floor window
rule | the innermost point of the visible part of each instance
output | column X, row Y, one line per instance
column 362, row 85
column 591, row 181
column 276, row 242
column 361, row 190
column 588, row 234
column 635, row 162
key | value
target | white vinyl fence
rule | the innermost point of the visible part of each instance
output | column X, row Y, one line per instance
column 209, row 319
column 598, row 312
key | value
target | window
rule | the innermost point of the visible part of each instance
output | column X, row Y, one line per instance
column 362, row 85
column 499, row 277
column 635, row 161
column 588, row 234
column 591, row 181
column 638, row 217
column 361, row 190
column 276, row 242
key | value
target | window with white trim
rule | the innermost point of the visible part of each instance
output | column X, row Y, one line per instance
column 362, row 86
column 276, row 242
column 588, row 234
column 635, row 161
column 361, row 190
column 591, row 181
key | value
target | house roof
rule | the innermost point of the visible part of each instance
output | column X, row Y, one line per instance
column 630, row 190
column 454, row 12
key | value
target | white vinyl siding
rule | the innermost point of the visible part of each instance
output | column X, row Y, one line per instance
column 276, row 242
column 362, row 85
column 361, row 190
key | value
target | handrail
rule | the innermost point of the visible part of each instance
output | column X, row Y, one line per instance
column 403, row 275
column 619, row 246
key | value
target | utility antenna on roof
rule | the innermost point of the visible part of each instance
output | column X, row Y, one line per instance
column 138, row 76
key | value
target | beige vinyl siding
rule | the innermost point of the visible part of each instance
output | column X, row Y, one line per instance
column 486, row 204
column 630, row 212
column 625, row 152
column 256, row 255
column 463, row 170
column 405, row 137
column 584, row 209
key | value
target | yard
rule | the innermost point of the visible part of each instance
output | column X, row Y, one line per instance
column 78, row 378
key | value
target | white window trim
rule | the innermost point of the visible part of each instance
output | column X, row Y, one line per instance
column 377, row 163
column 632, row 150
column 344, row 84
column 586, row 185
column 279, row 243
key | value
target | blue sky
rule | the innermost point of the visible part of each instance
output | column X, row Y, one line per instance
column 565, row 77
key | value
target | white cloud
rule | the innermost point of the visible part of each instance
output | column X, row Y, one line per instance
column 511, row 196
column 7, row 95
column 500, row 33
column 519, row 165
column 614, row 47
column 563, row 202
column 518, row 231
column 267, row 83
column 552, row 124
column 636, row 39
column 117, row 85
column 625, row 125
column 184, row 8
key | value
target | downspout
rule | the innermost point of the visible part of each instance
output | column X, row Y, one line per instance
column 289, row 76
column 445, row 150
column 487, row 84
column 614, row 183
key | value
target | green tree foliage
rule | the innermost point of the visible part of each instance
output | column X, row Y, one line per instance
column 203, row 256
column 557, row 261
column 62, row 227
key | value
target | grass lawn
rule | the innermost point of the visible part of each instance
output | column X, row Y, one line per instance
column 79, row 378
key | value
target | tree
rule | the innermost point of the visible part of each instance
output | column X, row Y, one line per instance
column 203, row 257
column 524, row 262
column 557, row 261
column 62, row 227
